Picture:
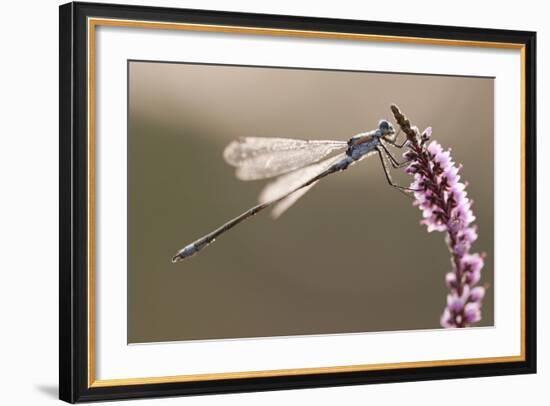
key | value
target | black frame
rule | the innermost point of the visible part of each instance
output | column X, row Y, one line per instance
column 73, row 329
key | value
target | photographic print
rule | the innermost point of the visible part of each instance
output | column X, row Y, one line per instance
column 394, row 233
column 256, row 202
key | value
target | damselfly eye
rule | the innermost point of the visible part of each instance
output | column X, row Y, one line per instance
column 383, row 125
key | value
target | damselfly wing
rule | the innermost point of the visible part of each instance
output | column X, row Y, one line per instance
column 260, row 158
column 289, row 181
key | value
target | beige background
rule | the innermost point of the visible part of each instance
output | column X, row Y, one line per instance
column 350, row 256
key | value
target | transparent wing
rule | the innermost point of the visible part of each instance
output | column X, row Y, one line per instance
column 284, row 184
column 259, row 158
column 287, row 202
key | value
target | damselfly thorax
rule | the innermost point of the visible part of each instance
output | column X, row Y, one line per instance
column 362, row 144
column 296, row 165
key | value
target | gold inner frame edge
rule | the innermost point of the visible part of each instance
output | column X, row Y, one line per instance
column 91, row 25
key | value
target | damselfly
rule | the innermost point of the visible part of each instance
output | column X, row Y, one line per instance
column 297, row 165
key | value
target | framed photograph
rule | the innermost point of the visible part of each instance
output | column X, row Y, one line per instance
column 257, row 202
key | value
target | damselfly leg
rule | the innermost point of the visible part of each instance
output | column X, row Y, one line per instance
column 388, row 176
column 394, row 162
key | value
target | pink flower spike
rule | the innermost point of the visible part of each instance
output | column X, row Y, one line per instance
column 446, row 207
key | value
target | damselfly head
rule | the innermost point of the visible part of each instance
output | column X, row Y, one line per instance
column 385, row 128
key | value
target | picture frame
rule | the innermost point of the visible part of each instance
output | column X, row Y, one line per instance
column 80, row 130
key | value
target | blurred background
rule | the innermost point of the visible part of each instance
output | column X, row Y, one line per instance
column 350, row 256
